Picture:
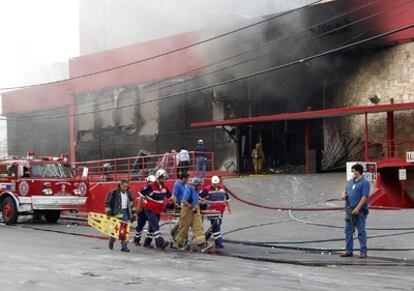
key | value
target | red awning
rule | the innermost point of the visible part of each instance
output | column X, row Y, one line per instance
column 315, row 114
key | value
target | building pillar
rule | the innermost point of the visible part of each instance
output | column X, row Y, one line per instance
column 366, row 138
column 390, row 135
column 308, row 132
column 72, row 140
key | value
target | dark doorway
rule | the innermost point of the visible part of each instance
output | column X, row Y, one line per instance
column 282, row 143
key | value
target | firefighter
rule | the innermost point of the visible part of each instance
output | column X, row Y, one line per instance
column 179, row 188
column 217, row 199
column 183, row 159
column 258, row 158
column 156, row 197
column 120, row 204
column 107, row 168
column 142, row 217
column 190, row 217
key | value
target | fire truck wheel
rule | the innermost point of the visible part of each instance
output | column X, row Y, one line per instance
column 52, row 216
column 9, row 211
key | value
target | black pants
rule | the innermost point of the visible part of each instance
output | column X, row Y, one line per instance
column 183, row 167
column 142, row 220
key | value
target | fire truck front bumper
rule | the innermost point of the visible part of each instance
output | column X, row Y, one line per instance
column 57, row 202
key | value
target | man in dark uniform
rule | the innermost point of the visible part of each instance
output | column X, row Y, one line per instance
column 157, row 197
column 218, row 200
column 142, row 217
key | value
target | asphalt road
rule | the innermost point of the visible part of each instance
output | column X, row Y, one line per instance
column 40, row 256
column 33, row 259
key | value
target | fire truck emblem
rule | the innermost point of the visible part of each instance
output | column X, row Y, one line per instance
column 23, row 188
column 83, row 188
column 63, row 188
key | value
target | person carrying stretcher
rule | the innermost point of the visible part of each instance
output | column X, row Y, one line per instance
column 217, row 199
column 191, row 217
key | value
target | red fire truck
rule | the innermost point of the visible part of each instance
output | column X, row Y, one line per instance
column 39, row 186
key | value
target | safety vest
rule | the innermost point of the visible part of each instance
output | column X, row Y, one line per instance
column 156, row 197
column 217, row 198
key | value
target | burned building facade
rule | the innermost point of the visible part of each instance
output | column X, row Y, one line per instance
column 289, row 62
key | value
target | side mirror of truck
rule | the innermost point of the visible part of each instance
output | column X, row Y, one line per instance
column 85, row 173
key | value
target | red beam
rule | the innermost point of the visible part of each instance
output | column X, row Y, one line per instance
column 316, row 114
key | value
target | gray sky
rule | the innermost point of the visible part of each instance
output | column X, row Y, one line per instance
column 34, row 35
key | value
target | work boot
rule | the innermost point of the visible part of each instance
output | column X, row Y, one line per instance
column 126, row 250
column 164, row 245
column 346, row 255
column 147, row 242
column 219, row 243
column 180, row 248
column 219, row 246
column 174, row 231
column 137, row 241
column 362, row 256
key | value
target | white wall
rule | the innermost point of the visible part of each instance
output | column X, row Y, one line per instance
column 3, row 133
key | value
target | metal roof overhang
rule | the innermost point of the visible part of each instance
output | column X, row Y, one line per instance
column 313, row 114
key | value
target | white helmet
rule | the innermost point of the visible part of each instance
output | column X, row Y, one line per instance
column 215, row 180
column 161, row 174
column 151, row 178
column 200, row 141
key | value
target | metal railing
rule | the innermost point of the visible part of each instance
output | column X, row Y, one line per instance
column 139, row 167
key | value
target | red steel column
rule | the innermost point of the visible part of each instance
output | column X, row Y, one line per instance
column 390, row 135
column 308, row 128
column 366, row 138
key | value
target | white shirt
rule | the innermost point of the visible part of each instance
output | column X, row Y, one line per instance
column 183, row 156
column 124, row 200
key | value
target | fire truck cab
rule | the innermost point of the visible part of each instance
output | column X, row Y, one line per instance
column 39, row 186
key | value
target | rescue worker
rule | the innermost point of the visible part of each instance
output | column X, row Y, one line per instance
column 156, row 198
column 258, row 158
column 201, row 159
column 356, row 196
column 172, row 164
column 178, row 192
column 217, row 199
column 190, row 217
column 120, row 204
column 183, row 159
column 107, row 168
column 142, row 217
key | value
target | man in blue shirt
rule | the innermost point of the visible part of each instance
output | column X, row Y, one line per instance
column 179, row 187
column 191, row 217
column 356, row 196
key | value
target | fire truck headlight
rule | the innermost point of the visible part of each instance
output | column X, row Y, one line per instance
column 77, row 192
column 47, row 191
